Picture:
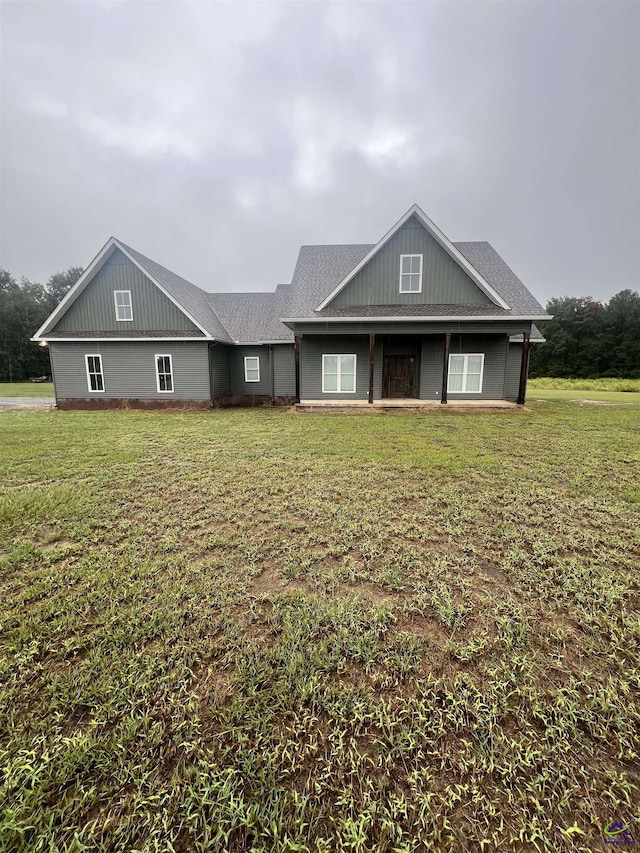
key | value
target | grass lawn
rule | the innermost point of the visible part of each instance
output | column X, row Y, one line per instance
column 256, row 630
column 26, row 389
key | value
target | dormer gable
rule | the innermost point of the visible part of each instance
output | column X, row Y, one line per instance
column 413, row 264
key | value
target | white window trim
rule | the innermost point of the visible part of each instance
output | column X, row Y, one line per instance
column 355, row 371
column 115, row 301
column 173, row 383
column 419, row 290
column 86, row 364
column 251, row 358
column 467, row 356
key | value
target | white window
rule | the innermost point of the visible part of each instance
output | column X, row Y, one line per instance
column 95, row 378
column 338, row 374
column 251, row 368
column 124, row 311
column 465, row 373
column 164, row 374
column 410, row 273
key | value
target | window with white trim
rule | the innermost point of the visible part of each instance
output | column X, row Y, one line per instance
column 164, row 374
column 251, row 368
column 124, row 309
column 95, row 377
column 338, row 374
column 410, row 273
column 465, row 373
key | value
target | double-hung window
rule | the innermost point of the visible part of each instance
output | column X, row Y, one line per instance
column 164, row 374
column 410, row 273
column 124, row 309
column 251, row 368
column 338, row 374
column 95, row 377
column 465, row 373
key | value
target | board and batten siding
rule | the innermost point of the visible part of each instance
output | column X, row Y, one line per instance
column 284, row 370
column 444, row 282
column 94, row 309
column 312, row 349
column 129, row 369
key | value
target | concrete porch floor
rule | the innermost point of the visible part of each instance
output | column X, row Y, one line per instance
column 401, row 403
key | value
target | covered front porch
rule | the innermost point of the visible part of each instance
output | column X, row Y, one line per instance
column 471, row 367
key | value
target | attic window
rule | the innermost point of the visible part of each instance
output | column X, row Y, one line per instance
column 124, row 311
column 410, row 273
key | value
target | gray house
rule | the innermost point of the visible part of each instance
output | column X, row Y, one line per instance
column 413, row 317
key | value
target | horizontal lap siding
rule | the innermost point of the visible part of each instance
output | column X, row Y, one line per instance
column 129, row 369
column 284, row 368
column 94, row 310
column 512, row 373
column 495, row 354
column 219, row 361
column 495, row 357
column 311, row 351
column 236, row 371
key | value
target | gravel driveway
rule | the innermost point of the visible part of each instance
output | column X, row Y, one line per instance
column 25, row 404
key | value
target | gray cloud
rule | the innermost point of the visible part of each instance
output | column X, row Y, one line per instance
column 218, row 137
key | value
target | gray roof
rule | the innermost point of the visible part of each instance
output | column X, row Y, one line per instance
column 143, row 335
column 253, row 317
column 320, row 269
column 191, row 298
column 458, row 310
column 502, row 278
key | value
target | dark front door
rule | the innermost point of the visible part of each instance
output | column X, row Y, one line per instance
column 399, row 376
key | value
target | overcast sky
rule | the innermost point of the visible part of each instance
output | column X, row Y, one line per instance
column 218, row 137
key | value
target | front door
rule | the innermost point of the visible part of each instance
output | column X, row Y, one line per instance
column 399, row 376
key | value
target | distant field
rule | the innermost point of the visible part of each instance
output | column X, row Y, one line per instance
column 585, row 384
column 263, row 631
column 26, row 389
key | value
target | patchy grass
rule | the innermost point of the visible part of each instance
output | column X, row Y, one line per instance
column 256, row 630
column 608, row 384
column 26, row 389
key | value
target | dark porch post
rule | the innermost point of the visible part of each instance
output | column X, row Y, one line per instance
column 445, row 367
column 296, row 350
column 372, row 349
column 524, row 364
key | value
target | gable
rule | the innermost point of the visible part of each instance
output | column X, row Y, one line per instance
column 93, row 309
column 444, row 282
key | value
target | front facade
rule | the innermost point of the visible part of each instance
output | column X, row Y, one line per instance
column 413, row 317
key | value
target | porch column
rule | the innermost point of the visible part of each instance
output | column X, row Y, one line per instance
column 445, row 367
column 296, row 350
column 524, row 365
column 372, row 349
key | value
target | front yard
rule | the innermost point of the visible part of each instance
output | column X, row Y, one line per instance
column 256, row 630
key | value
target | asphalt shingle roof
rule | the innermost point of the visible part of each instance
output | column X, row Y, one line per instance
column 254, row 317
column 191, row 298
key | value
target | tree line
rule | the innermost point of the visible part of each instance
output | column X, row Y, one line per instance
column 586, row 339
column 24, row 306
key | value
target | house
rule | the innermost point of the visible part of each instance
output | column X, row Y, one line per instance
column 414, row 316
